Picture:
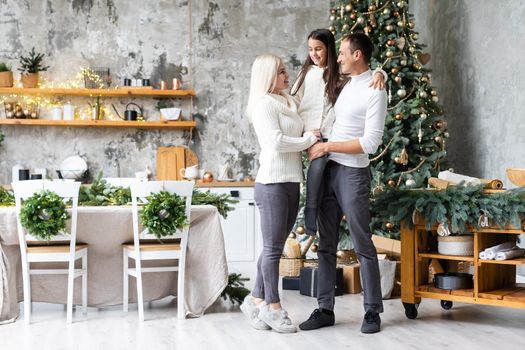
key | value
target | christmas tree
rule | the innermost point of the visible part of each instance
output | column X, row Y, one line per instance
column 415, row 132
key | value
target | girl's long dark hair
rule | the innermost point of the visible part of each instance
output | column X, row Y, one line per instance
column 331, row 76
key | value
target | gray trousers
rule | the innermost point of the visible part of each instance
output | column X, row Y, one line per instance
column 346, row 191
column 278, row 206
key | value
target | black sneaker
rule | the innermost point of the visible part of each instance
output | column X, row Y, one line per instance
column 319, row 318
column 371, row 323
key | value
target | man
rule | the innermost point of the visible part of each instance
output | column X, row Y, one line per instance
column 358, row 130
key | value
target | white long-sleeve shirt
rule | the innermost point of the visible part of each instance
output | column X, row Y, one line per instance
column 279, row 130
column 360, row 113
column 314, row 106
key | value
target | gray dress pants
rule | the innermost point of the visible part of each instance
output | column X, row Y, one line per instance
column 346, row 191
column 278, row 206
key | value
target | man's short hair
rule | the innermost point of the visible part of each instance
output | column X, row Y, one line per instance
column 361, row 42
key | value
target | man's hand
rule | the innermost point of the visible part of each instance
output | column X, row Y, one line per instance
column 316, row 151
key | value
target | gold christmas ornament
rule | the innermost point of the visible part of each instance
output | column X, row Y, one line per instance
column 394, row 70
column 438, row 139
column 423, row 94
column 424, row 78
column 332, row 18
column 412, row 25
column 340, row 254
column 401, row 4
column 314, row 248
column 207, row 177
column 389, row 226
column 434, row 92
column 348, row 7
column 411, row 49
column 389, row 27
column 414, row 36
column 403, row 62
column 346, row 27
column 390, row 42
column 397, row 160
column 367, row 30
column 401, row 93
column 391, row 183
column 398, row 79
column 331, row 28
column 399, row 116
column 292, row 235
column 435, row 99
column 386, row 11
column 416, row 66
column 300, row 230
column 389, row 53
column 372, row 8
column 333, row 11
column 400, row 24
column 410, row 183
column 353, row 15
column 361, row 20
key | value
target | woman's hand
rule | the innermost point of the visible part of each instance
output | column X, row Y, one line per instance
column 317, row 133
column 378, row 82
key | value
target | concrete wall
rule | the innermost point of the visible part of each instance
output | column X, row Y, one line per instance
column 151, row 39
column 477, row 61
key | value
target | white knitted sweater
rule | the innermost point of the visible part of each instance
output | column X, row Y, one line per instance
column 279, row 130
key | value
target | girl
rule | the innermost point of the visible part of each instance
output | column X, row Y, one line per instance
column 279, row 130
column 317, row 87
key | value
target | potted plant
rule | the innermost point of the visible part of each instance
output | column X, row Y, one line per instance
column 6, row 75
column 30, row 65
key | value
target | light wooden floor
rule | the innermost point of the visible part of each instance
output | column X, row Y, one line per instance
column 223, row 327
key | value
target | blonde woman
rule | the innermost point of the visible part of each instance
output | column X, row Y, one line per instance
column 279, row 130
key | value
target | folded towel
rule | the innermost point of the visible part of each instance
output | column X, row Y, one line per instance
column 510, row 254
column 490, row 253
column 483, row 256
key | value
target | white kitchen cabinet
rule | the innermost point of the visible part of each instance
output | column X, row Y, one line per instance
column 241, row 230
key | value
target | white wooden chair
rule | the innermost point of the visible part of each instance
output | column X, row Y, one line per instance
column 51, row 253
column 156, row 251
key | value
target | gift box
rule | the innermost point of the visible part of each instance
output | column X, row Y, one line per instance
column 351, row 278
column 308, row 281
column 291, row 283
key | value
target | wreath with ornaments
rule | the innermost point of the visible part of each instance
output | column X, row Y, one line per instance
column 44, row 215
column 164, row 213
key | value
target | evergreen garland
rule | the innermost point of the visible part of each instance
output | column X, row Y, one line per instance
column 164, row 213
column 44, row 215
column 100, row 193
column 7, row 198
column 456, row 206
column 235, row 290
column 222, row 202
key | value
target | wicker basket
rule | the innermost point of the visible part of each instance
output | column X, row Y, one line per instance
column 456, row 245
column 314, row 263
column 290, row 267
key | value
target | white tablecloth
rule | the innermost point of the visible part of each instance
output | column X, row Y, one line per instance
column 105, row 229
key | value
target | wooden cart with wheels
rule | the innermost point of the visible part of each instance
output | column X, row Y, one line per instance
column 494, row 281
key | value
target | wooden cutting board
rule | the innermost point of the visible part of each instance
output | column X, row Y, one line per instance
column 170, row 161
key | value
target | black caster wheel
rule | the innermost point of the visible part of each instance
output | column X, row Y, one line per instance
column 446, row 305
column 410, row 310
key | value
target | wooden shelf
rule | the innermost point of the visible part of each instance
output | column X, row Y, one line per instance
column 186, row 124
column 428, row 290
column 112, row 92
column 512, row 292
column 516, row 261
column 445, row 257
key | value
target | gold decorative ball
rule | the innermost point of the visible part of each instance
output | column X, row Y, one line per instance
column 389, row 27
column 207, row 177
column 410, row 183
column 401, row 93
column 391, row 183
column 394, row 70
column 399, row 116
column 397, row 160
column 391, row 42
column 372, row 8
column 348, row 8
column 424, row 78
column 389, row 226
column 331, row 28
column 346, row 27
column 361, row 20
column 438, row 125
column 389, row 53
column 435, row 99
column 416, row 66
column 423, row 116
column 300, row 230
column 414, row 36
column 386, row 11
column 434, row 92
column 423, row 94
column 412, row 25
column 411, row 49
column 400, row 24
column 403, row 62
column 332, row 18
column 314, row 248
column 438, row 139
column 398, row 79
column 353, row 15
column 333, row 11
column 401, row 4
column 292, row 235
column 340, row 254
column 367, row 29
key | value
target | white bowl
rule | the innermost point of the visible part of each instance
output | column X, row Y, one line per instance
column 73, row 167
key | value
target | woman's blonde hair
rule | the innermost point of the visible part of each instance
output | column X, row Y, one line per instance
column 265, row 69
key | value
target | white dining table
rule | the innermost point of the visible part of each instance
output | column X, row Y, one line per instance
column 105, row 229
